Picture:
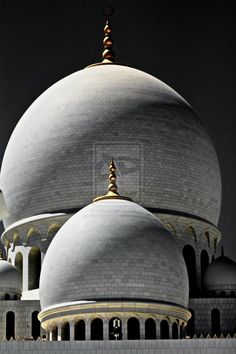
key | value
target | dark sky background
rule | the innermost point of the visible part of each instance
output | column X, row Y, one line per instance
column 190, row 45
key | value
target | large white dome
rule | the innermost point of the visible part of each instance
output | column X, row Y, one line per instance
column 117, row 251
column 70, row 132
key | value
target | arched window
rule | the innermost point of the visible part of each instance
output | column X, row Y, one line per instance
column 222, row 293
column 174, row 331
column 35, row 325
column 164, row 327
column 133, row 328
column 190, row 329
column 204, row 263
column 80, row 330
column 19, row 264
column 232, row 293
column 97, row 329
column 65, row 331
column 115, row 329
column 34, row 263
column 150, row 329
column 54, row 333
column 190, row 260
column 10, row 325
column 215, row 322
column 15, row 297
column 7, row 297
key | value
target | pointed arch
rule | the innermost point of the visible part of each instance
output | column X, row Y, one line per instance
column 150, row 329
column 190, row 328
column 115, row 329
column 164, row 330
column 79, row 330
column 34, row 267
column 133, row 328
column 10, row 325
column 65, row 331
column 190, row 261
column 35, row 325
column 97, row 329
column 215, row 322
column 175, row 331
column 204, row 263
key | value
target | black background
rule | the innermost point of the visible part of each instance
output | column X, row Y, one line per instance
column 190, row 45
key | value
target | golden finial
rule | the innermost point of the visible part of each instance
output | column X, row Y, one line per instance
column 112, row 187
column 108, row 54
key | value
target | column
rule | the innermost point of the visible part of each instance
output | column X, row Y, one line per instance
column 42, row 257
column 142, row 328
column 158, row 332
column 198, row 267
column 124, row 328
column 72, row 330
column 59, row 332
column 25, row 270
column 50, row 335
column 88, row 329
column 179, row 330
column 105, row 329
column 170, row 330
column 184, row 331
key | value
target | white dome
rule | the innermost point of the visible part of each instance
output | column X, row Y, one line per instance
column 102, row 112
column 117, row 251
column 220, row 275
column 10, row 279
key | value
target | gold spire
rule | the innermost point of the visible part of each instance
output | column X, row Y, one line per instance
column 108, row 54
column 112, row 187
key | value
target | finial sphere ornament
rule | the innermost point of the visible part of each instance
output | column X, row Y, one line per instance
column 112, row 187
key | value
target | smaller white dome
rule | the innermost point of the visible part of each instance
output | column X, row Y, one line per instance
column 10, row 279
column 220, row 275
column 117, row 251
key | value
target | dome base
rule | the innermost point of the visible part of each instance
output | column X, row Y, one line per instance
column 106, row 311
